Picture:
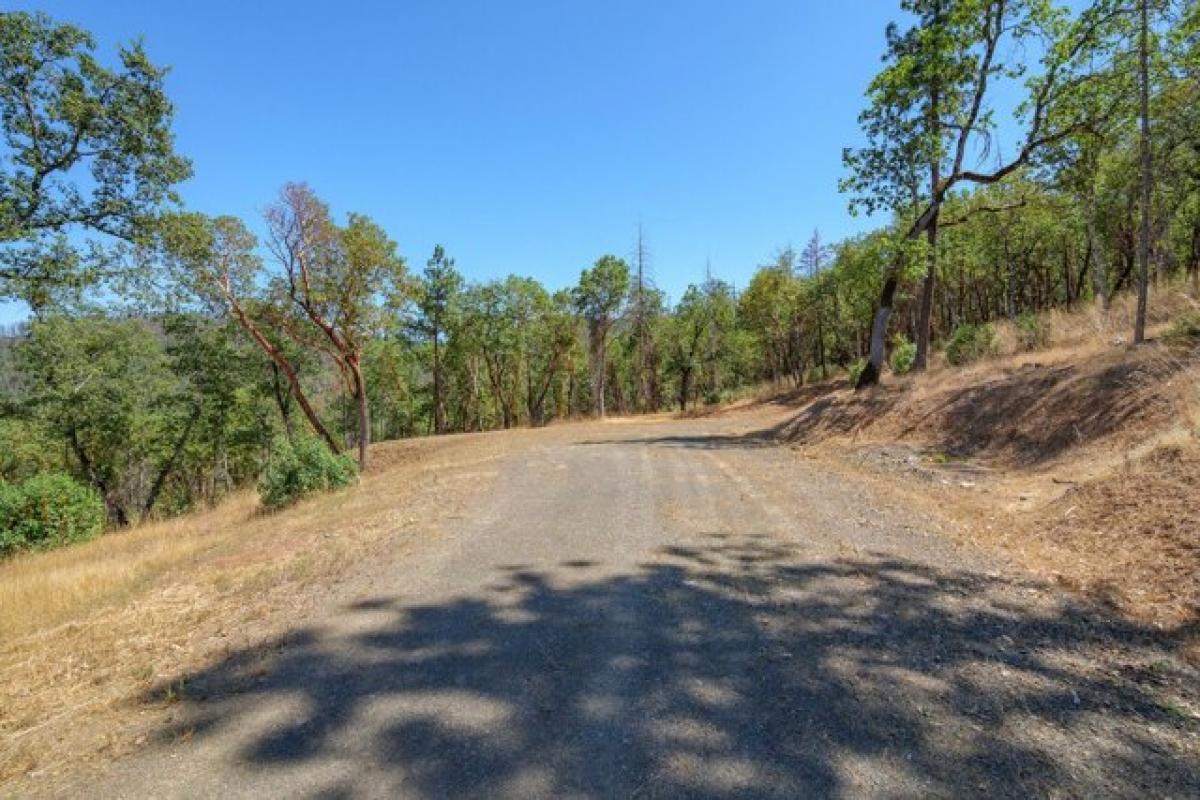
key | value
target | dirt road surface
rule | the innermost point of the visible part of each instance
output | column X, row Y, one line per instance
column 684, row 609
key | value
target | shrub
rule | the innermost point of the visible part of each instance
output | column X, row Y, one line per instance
column 1185, row 330
column 48, row 510
column 301, row 468
column 1032, row 332
column 904, row 355
column 970, row 343
column 855, row 369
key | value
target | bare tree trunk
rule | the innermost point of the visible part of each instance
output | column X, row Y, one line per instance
column 600, row 376
column 931, row 232
column 439, row 410
column 821, row 338
column 1099, row 267
column 1139, row 325
column 887, row 298
column 364, row 413
column 925, row 314
column 1010, row 280
column 874, row 366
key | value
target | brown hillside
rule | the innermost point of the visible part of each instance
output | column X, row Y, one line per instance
column 1082, row 462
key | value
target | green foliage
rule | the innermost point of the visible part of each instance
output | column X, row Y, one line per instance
column 598, row 298
column 1033, row 332
column 87, row 148
column 438, row 296
column 106, row 388
column 602, row 289
column 27, row 448
column 703, row 348
column 48, row 510
column 139, row 408
column 302, row 468
column 970, row 343
column 904, row 355
column 816, row 374
column 1184, row 331
column 855, row 369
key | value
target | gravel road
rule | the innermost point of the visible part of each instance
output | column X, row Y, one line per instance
column 682, row 609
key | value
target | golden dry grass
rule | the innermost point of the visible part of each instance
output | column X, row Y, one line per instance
column 87, row 631
column 1144, row 519
column 40, row 590
column 1089, row 325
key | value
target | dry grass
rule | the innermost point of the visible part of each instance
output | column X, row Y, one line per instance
column 86, row 631
column 1092, row 326
column 1027, row 410
column 1144, row 519
column 43, row 589
column 1089, row 451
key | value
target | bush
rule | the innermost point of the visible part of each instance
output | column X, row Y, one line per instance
column 1185, row 330
column 1032, row 332
column 904, row 355
column 48, row 510
column 301, row 468
column 970, row 343
column 855, row 369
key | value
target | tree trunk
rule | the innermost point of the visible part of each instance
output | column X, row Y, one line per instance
column 1139, row 325
column 931, row 231
column 1099, row 267
column 925, row 314
column 293, row 378
column 115, row 510
column 599, row 359
column 364, row 413
column 439, row 410
column 1194, row 261
column 887, row 297
column 161, row 479
column 1010, row 281
column 821, row 340
column 282, row 401
column 874, row 366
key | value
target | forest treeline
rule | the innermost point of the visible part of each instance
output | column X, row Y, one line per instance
column 171, row 356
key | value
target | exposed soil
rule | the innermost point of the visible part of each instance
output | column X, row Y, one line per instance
column 1082, row 464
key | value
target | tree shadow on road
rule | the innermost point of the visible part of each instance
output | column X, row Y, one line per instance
column 732, row 667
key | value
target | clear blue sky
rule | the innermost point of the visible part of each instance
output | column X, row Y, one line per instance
column 528, row 137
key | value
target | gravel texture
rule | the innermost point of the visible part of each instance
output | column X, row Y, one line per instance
column 682, row 609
